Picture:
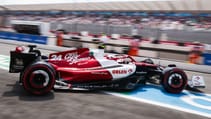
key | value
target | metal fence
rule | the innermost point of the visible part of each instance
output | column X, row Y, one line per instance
column 178, row 35
column 92, row 28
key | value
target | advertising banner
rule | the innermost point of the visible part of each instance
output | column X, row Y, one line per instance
column 207, row 58
column 23, row 37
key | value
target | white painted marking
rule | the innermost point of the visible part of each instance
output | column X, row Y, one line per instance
column 5, row 68
column 160, row 104
column 190, row 100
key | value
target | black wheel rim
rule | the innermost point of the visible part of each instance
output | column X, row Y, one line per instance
column 175, row 80
column 39, row 79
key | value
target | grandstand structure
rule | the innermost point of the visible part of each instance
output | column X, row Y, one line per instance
column 149, row 18
column 110, row 5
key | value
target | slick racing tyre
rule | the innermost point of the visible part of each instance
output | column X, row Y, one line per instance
column 38, row 78
column 174, row 80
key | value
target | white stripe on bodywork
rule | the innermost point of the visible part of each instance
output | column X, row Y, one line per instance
column 129, row 68
column 124, row 69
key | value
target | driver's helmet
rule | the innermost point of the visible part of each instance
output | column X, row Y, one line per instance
column 101, row 46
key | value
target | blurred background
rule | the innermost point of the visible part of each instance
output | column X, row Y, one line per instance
column 167, row 29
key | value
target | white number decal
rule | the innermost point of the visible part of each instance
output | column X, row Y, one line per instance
column 55, row 57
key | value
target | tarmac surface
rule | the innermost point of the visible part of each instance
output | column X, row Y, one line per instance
column 15, row 103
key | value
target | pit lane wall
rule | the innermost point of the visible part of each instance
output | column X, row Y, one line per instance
column 170, row 50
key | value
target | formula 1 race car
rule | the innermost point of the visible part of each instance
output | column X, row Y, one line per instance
column 92, row 69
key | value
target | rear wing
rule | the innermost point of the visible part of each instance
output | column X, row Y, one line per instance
column 19, row 61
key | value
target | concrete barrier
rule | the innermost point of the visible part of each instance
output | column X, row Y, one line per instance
column 164, row 50
column 51, row 40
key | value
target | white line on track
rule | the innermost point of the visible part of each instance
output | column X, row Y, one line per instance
column 159, row 104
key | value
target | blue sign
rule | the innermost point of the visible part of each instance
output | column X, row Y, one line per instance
column 204, row 15
column 207, row 58
column 23, row 37
column 196, row 103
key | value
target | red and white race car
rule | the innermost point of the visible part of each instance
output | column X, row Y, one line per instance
column 92, row 69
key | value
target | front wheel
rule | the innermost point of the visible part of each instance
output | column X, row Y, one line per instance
column 38, row 78
column 174, row 80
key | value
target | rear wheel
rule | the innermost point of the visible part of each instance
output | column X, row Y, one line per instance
column 38, row 78
column 174, row 80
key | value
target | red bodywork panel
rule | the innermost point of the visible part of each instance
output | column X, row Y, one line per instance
column 78, row 66
column 84, row 75
column 146, row 64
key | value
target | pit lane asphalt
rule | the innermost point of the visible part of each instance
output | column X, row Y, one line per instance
column 15, row 103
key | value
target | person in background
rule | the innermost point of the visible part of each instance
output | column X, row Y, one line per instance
column 134, row 45
column 195, row 53
column 59, row 36
column 103, row 40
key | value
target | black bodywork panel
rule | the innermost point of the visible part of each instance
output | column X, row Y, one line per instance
column 19, row 61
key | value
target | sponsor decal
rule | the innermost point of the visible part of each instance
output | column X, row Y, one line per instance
column 130, row 70
column 197, row 80
column 123, row 71
column 72, row 58
column 98, row 86
column 100, row 73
